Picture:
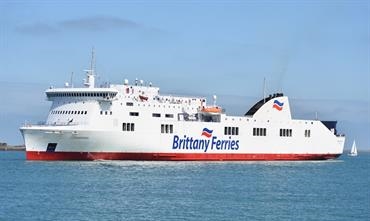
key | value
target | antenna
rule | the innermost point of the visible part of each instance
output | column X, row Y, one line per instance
column 92, row 66
column 264, row 90
column 90, row 78
column 72, row 79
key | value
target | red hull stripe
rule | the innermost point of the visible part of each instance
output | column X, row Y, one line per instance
column 35, row 155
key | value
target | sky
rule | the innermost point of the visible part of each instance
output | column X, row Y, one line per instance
column 316, row 52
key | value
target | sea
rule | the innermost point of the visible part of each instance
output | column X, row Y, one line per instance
column 144, row 190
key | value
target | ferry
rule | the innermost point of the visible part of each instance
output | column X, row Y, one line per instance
column 136, row 122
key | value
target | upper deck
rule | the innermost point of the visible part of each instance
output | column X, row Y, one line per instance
column 136, row 93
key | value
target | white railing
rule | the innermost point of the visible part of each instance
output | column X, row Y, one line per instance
column 43, row 124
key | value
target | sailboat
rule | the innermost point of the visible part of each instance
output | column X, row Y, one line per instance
column 353, row 152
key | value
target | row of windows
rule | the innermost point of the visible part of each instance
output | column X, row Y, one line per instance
column 106, row 112
column 80, row 94
column 231, row 130
column 259, row 131
column 130, row 104
column 166, row 128
column 68, row 112
column 136, row 114
column 128, row 127
column 285, row 132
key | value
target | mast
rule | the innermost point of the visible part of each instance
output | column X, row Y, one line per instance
column 90, row 74
column 264, row 90
column 92, row 65
column 72, row 79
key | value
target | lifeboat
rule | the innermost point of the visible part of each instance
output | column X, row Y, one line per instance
column 212, row 110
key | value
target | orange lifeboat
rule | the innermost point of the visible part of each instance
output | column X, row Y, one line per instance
column 214, row 109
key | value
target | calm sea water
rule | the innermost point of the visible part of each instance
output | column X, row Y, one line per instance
column 130, row 190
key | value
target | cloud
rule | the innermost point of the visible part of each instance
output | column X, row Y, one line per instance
column 86, row 24
column 36, row 29
column 98, row 23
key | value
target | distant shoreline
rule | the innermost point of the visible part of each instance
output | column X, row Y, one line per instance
column 12, row 148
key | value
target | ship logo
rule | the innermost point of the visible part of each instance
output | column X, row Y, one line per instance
column 207, row 132
column 277, row 105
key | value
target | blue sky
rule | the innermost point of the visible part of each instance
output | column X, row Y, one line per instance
column 316, row 52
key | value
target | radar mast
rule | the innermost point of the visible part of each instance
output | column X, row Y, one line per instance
column 90, row 74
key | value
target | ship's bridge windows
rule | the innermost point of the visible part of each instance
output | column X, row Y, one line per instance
column 259, row 131
column 286, row 132
column 68, row 112
column 80, row 94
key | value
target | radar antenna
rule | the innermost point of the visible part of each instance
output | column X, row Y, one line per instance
column 71, row 79
column 90, row 74
column 92, row 65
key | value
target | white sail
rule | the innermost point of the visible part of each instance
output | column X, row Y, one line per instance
column 353, row 149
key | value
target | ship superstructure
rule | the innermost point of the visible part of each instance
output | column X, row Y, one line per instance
column 136, row 122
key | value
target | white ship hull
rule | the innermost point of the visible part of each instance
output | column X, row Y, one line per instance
column 74, row 143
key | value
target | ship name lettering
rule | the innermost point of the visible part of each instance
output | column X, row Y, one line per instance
column 225, row 144
column 189, row 143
